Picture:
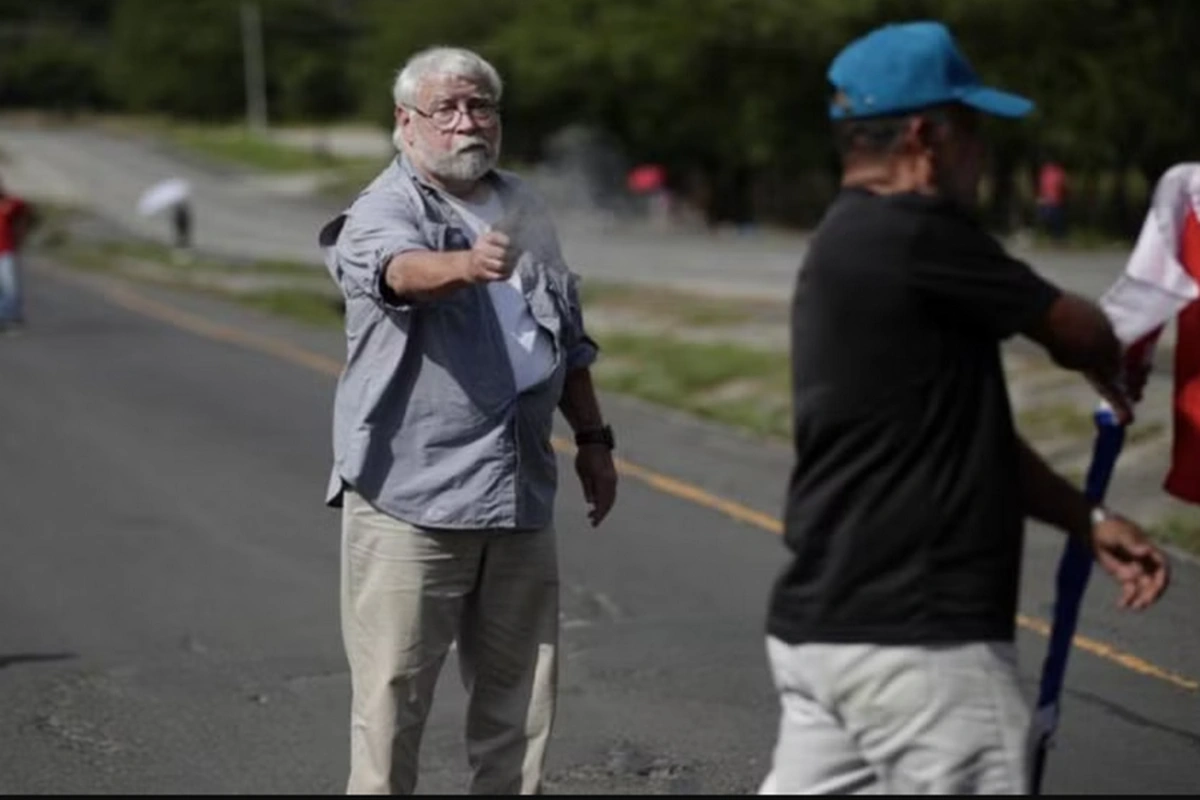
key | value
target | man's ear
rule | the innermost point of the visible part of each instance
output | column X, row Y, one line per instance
column 403, row 119
column 922, row 134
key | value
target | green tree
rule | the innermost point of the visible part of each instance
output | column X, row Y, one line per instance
column 392, row 32
column 308, row 46
column 729, row 95
column 52, row 54
column 719, row 91
column 183, row 59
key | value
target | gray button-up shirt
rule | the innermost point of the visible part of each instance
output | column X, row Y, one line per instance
column 428, row 425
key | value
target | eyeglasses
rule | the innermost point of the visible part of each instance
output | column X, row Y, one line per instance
column 485, row 113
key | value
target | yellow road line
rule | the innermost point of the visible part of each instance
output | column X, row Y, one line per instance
column 205, row 327
column 682, row 490
column 1110, row 653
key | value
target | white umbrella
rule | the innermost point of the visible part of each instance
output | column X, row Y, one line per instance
column 163, row 195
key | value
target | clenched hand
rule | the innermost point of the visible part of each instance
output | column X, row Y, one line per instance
column 491, row 259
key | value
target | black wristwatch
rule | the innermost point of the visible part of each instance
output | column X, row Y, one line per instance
column 602, row 435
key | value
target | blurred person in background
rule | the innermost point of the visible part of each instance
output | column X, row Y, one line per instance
column 649, row 181
column 464, row 333
column 1052, row 199
column 16, row 221
column 181, row 225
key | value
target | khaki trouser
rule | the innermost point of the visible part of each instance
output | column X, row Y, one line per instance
column 407, row 596
column 867, row 719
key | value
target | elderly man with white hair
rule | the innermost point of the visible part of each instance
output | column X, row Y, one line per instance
column 464, row 333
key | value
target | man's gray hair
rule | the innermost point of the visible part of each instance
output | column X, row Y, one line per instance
column 444, row 61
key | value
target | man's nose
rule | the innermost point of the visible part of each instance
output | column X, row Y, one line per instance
column 466, row 123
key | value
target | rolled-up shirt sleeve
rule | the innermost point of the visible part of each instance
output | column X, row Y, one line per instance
column 377, row 228
column 582, row 351
column 580, row 348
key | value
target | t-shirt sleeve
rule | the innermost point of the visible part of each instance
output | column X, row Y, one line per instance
column 964, row 276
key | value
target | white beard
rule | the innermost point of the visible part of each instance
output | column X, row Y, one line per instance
column 463, row 165
column 469, row 166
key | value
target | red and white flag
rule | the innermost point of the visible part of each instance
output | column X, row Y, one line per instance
column 1161, row 282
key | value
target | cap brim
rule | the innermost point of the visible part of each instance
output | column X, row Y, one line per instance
column 994, row 101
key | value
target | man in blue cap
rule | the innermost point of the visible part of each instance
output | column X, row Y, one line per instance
column 891, row 632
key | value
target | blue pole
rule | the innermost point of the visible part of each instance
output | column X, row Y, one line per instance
column 1074, row 569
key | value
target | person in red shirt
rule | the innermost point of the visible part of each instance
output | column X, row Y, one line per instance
column 1052, row 199
column 16, row 220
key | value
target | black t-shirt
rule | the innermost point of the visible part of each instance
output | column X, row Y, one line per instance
column 904, row 509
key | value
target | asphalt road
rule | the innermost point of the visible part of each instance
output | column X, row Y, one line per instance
column 168, row 591
column 168, row 588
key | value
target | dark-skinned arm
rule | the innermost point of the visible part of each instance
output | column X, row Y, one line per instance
column 1119, row 546
column 1051, row 498
column 579, row 404
column 1078, row 336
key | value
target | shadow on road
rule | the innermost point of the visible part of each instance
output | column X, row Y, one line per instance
column 33, row 658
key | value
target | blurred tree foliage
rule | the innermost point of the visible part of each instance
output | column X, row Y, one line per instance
column 729, row 95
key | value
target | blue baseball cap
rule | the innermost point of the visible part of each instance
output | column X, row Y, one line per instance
column 906, row 67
